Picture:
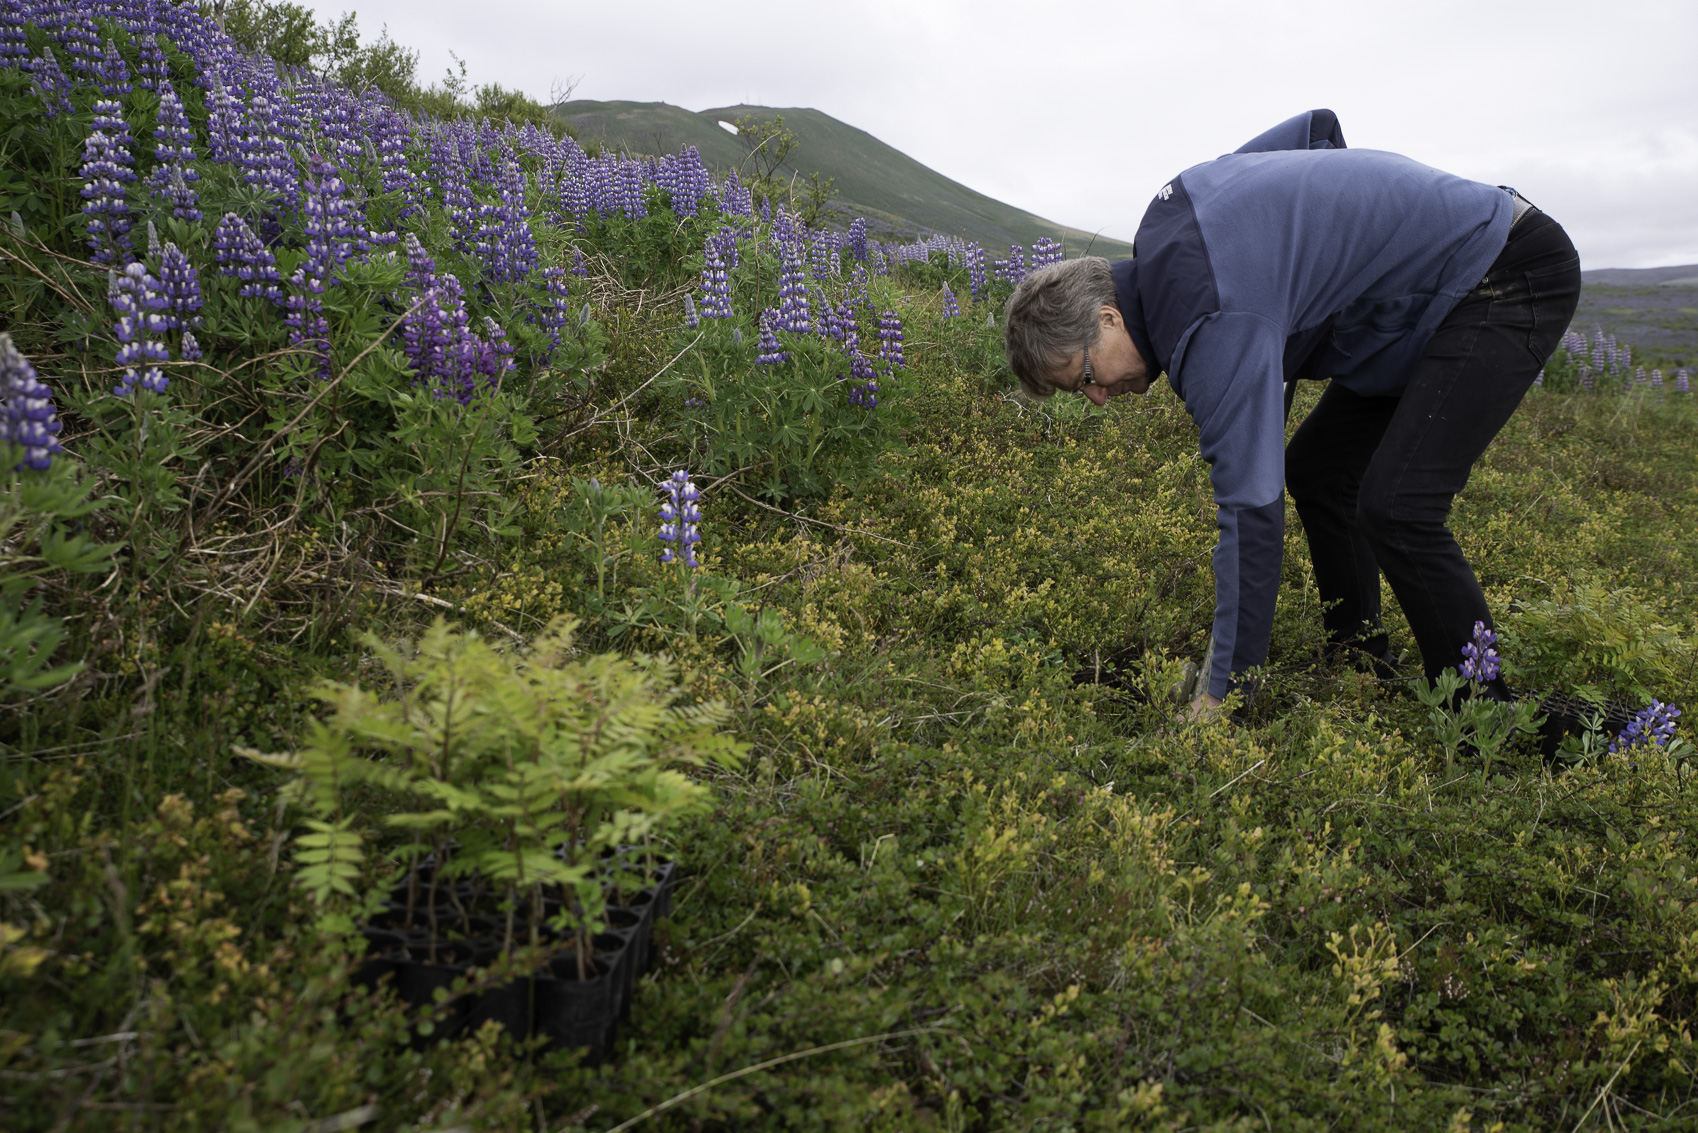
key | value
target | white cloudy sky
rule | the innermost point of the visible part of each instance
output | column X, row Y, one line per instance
column 1078, row 111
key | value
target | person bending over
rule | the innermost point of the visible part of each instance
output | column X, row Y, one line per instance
column 1430, row 301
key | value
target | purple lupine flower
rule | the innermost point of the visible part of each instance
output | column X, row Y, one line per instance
column 338, row 122
column 716, row 283
column 735, row 199
column 685, row 180
column 1045, row 252
column 1653, row 727
column 181, row 284
column 856, row 242
column 768, row 351
column 1539, row 378
column 27, row 415
column 551, row 311
column 154, row 66
column 333, row 226
column 453, row 184
column 831, row 321
column 1480, row 662
column 679, row 519
column 820, row 248
column 1682, row 381
column 224, row 124
column 863, row 382
column 950, row 307
column 107, row 169
column 425, row 334
column 691, row 319
column 1014, row 266
column 110, row 74
column 976, row 281
column 308, row 328
column 436, row 336
column 890, row 341
column 241, row 254
column 189, row 349
column 174, row 152
column 14, row 48
column 793, row 313
column 389, row 132
column 264, row 156
column 857, row 291
column 491, row 356
column 861, row 378
column 81, row 40
column 504, row 240
column 140, row 304
column 51, row 84
column 727, row 238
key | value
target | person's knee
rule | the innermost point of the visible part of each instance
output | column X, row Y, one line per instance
column 1375, row 515
column 1302, row 478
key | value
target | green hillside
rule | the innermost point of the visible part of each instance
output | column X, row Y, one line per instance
column 872, row 179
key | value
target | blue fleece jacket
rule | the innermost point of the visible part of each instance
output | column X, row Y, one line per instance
column 1291, row 258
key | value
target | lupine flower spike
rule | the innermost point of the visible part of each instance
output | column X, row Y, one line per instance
column 141, row 305
column 1480, row 662
column 1652, row 727
column 27, row 417
column 770, row 352
column 679, row 517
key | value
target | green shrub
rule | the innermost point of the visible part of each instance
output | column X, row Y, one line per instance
column 525, row 771
column 1597, row 641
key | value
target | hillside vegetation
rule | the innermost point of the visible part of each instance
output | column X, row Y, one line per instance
column 872, row 179
column 391, row 496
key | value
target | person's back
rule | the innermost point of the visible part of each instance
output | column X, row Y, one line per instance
column 1376, row 243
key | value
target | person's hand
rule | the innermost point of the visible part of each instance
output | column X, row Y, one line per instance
column 1205, row 707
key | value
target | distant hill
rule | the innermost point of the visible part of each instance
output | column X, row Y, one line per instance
column 892, row 190
column 1685, row 276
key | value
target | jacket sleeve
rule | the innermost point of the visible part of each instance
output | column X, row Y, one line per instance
column 1312, row 129
column 1231, row 378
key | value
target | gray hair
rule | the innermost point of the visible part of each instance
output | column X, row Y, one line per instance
column 1052, row 314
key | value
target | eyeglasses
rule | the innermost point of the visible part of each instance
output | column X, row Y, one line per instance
column 1089, row 380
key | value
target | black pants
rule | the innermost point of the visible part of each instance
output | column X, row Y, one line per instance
column 1373, row 477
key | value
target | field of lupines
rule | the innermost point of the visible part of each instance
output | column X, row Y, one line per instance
column 739, row 522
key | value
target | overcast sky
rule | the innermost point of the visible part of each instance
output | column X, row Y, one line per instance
column 1078, row 111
